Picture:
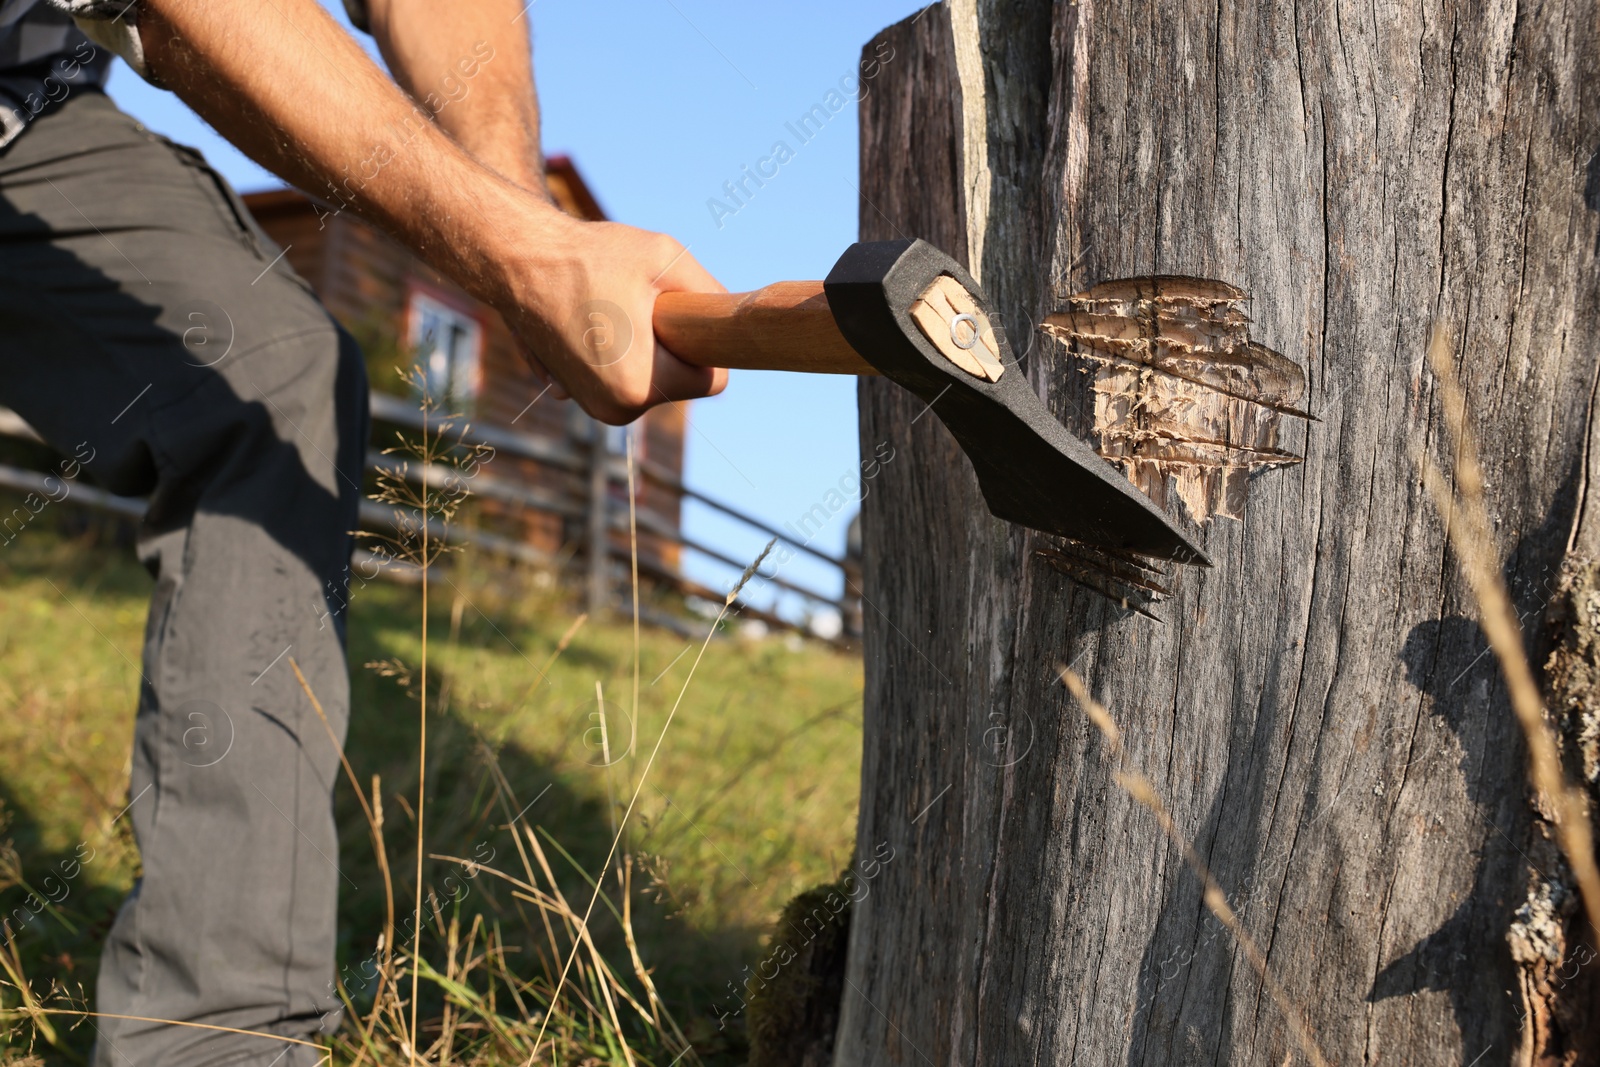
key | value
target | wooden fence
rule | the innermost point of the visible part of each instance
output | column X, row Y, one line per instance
column 596, row 468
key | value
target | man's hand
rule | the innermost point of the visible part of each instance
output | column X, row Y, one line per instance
column 584, row 306
column 293, row 91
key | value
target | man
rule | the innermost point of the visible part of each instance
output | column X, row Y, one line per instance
column 115, row 248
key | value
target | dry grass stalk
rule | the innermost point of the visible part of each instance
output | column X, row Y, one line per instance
column 478, row 958
column 373, row 814
column 550, row 661
column 416, row 541
column 1467, row 523
column 1144, row 792
column 11, row 962
column 37, row 1014
column 422, row 755
column 551, row 903
column 633, row 802
column 414, row 508
column 633, row 560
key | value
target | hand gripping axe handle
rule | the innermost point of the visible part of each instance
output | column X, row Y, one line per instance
column 907, row 311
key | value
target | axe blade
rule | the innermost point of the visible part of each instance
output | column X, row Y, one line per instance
column 1032, row 471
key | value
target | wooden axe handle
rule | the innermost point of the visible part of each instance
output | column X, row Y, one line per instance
column 786, row 326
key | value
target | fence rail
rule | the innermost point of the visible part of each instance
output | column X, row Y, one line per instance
column 596, row 467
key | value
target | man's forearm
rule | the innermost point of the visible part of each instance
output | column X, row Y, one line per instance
column 291, row 89
column 473, row 69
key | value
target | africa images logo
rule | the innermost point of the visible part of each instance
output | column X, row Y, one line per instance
column 607, row 332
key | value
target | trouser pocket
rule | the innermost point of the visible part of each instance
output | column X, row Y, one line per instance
column 230, row 208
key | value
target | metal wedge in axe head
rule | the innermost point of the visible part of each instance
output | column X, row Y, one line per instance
column 907, row 311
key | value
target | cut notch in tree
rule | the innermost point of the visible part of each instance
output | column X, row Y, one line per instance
column 1185, row 402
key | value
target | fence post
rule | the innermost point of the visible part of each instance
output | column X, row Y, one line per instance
column 599, row 516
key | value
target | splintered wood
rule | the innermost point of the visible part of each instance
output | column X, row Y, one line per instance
column 1131, row 581
column 1185, row 403
column 950, row 319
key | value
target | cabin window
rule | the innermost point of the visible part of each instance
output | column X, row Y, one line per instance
column 447, row 344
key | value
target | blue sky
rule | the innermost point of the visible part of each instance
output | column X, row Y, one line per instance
column 659, row 102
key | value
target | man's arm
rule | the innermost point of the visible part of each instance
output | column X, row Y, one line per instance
column 293, row 91
column 487, row 106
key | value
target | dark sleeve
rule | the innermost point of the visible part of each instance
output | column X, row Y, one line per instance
column 357, row 10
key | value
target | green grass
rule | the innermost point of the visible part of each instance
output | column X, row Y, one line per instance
column 751, row 801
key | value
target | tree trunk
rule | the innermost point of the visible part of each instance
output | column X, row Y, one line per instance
column 1318, row 711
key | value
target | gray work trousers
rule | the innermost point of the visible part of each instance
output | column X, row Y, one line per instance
column 147, row 328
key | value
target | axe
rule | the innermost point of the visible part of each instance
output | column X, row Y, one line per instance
column 907, row 311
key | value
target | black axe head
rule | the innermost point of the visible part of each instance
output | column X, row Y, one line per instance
column 1032, row 471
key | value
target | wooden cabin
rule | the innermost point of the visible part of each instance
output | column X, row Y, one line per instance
column 406, row 314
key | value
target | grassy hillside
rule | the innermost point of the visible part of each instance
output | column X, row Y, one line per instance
column 752, row 800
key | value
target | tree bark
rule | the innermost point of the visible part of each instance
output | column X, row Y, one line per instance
column 1318, row 711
